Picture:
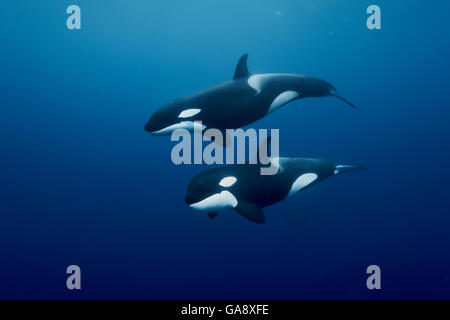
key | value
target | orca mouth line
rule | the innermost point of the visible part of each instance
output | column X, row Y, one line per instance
column 148, row 128
column 190, row 200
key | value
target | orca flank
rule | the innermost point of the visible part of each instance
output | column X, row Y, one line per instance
column 244, row 189
column 239, row 102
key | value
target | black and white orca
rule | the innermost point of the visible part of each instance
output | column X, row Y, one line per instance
column 243, row 188
column 237, row 103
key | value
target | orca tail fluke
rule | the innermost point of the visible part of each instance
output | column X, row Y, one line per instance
column 339, row 169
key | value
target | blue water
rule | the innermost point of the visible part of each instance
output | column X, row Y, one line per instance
column 83, row 183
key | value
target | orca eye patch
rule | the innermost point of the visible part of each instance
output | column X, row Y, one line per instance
column 189, row 113
column 227, row 181
column 303, row 181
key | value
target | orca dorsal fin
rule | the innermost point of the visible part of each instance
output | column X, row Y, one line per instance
column 241, row 68
column 250, row 211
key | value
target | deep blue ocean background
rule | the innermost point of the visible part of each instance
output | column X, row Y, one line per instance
column 83, row 183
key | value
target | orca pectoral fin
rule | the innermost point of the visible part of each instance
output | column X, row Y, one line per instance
column 250, row 211
column 212, row 215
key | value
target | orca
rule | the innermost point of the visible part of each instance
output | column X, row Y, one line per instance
column 243, row 188
column 237, row 103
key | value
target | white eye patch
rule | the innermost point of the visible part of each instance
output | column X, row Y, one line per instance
column 301, row 182
column 282, row 99
column 227, row 181
column 189, row 113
